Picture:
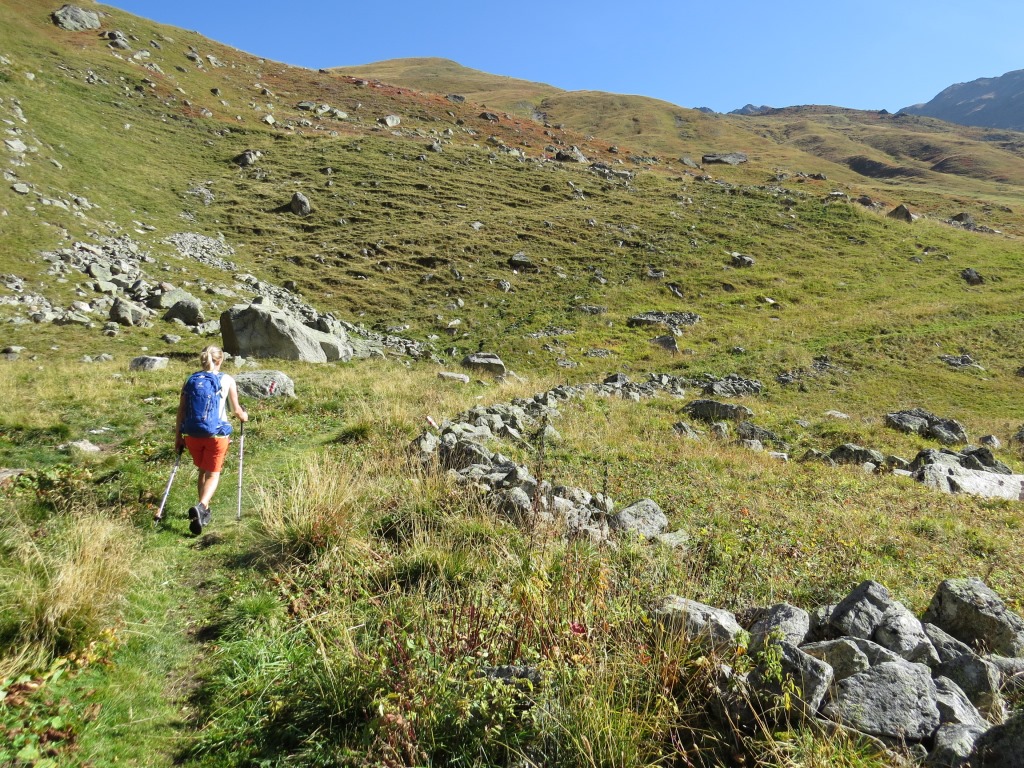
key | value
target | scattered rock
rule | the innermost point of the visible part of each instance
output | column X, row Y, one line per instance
column 148, row 363
column 485, row 361
column 75, row 19
column 300, row 205
column 728, row 158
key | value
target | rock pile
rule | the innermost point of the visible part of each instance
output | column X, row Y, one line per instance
column 869, row 664
column 462, row 449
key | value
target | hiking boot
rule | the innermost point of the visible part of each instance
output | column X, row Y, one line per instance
column 195, row 520
column 204, row 515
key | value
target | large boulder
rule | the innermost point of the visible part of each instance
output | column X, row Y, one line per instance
column 75, row 19
column 263, row 330
column 971, row 612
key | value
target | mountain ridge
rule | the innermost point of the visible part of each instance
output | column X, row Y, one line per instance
column 991, row 102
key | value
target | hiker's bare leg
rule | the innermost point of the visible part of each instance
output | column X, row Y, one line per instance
column 207, row 485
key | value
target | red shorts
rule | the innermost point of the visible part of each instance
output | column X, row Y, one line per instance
column 208, row 453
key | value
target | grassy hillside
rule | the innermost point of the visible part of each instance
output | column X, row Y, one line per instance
column 350, row 617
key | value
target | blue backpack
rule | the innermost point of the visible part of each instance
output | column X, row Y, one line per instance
column 202, row 406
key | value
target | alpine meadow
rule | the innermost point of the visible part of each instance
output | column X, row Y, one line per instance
column 583, row 429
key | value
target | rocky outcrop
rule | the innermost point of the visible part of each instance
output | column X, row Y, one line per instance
column 901, row 688
column 920, row 422
column 75, row 19
column 262, row 330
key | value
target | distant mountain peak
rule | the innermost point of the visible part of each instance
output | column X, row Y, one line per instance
column 750, row 109
column 988, row 102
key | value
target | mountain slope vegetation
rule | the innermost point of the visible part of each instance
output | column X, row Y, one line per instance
column 358, row 610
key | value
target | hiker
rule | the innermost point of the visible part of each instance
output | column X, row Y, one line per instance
column 202, row 427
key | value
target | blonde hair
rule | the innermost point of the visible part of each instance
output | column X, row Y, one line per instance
column 211, row 356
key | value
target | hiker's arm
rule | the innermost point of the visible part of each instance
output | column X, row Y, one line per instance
column 235, row 407
column 179, row 439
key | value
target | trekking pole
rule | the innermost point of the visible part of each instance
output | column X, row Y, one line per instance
column 167, row 491
column 241, row 454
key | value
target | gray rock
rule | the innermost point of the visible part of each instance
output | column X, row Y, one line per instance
column 850, row 453
column 263, row 385
column 921, row 422
column 666, row 342
column 645, row 517
column 1011, row 671
column 485, row 361
column 902, row 213
column 843, row 655
column 75, row 19
column 728, row 158
column 189, row 311
column 955, row 706
column 979, row 679
column 165, row 299
column 300, row 205
column 125, row 312
column 1001, row 746
column 860, row 612
column 953, row 745
column 514, row 503
column 262, row 330
column 952, row 478
column 811, row 675
column 449, row 376
column 891, row 700
column 971, row 276
column 712, row 411
column 785, row 622
column 148, row 363
column 424, row 449
column 946, row 646
column 971, row 612
column 901, row 632
column 700, row 622
column 991, row 441
column 80, row 446
column 875, row 653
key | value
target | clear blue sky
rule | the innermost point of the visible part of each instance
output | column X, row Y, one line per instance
column 864, row 55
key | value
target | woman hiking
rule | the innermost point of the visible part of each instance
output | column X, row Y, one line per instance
column 202, row 427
